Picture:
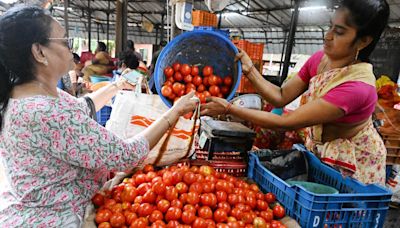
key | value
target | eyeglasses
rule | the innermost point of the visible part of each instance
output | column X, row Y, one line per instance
column 68, row 41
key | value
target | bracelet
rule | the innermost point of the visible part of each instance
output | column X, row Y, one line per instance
column 228, row 107
column 169, row 122
column 251, row 68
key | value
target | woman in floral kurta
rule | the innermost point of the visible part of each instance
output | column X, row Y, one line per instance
column 54, row 155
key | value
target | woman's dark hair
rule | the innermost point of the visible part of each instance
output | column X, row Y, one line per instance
column 20, row 28
column 101, row 46
column 129, row 58
column 370, row 18
column 130, row 45
column 77, row 59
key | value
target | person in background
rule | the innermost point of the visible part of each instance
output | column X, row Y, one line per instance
column 130, row 46
column 101, row 63
column 55, row 157
column 152, row 86
column 126, row 60
column 76, row 74
column 340, row 95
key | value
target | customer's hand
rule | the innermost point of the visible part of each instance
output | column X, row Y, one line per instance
column 185, row 104
column 122, row 83
column 247, row 64
column 215, row 106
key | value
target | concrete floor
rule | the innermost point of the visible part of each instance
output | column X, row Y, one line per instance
column 392, row 218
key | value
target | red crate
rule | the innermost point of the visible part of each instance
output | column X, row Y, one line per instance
column 255, row 50
column 242, row 44
column 204, row 18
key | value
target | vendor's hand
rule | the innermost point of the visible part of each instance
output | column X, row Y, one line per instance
column 247, row 64
column 185, row 104
column 122, row 83
column 215, row 106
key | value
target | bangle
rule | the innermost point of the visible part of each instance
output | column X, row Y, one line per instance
column 228, row 107
column 248, row 72
column 169, row 122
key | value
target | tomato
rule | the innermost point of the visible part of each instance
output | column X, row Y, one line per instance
column 140, row 178
column 155, row 215
column 207, row 94
column 194, row 169
column 171, row 193
column 140, row 223
column 254, row 187
column 213, row 80
column 98, row 199
column 207, row 70
column 221, row 196
column 205, row 81
column 197, row 80
column 276, row 224
column 193, row 198
column 158, row 224
column 104, row 225
column 159, row 188
column 190, row 88
column 224, row 206
column 208, row 187
column 206, row 170
column 130, row 217
column 251, row 201
column 171, row 79
column 196, row 187
column 143, row 188
column 135, row 207
column 237, row 213
column 103, row 215
column 163, row 205
column 220, row 95
column 156, row 179
column 177, row 87
column 148, row 168
column 177, row 177
column 194, row 71
column 145, row 209
column 178, row 76
column 205, row 212
column 188, row 78
column 270, row 197
column 173, row 213
column 199, row 223
column 149, row 197
column 247, row 217
column 176, row 66
column 172, row 96
column 189, row 178
column 168, row 71
column 260, row 196
column 228, row 81
column 108, row 203
column 183, row 198
column 176, row 203
column 173, row 224
column 220, row 215
column 117, row 220
column 185, row 69
column 126, row 206
column 259, row 222
column 201, row 88
column 214, row 90
column 188, row 217
column 267, row 215
column 150, row 176
column 279, row 211
column 189, row 207
column 224, row 90
column 181, row 187
column 168, row 83
column 138, row 199
column 219, row 80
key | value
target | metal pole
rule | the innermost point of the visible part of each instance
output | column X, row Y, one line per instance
column 283, row 51
column 124, row 24
column 89, row 25
column 157, row 36
column 66, row 17
column 219, row 20
column 162, row 27
column 289, row 46
column 98, row 32
column 108, row 26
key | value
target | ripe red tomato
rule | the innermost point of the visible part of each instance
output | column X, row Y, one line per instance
column 254, row 187
column 201, row 88
column 188, row 78
column 155, row 215
column 224, row 90
column 276, row 224
column 117, row 220
column 205, row 212
column 143, row 188
column 176, row 66
column 177, row 87
column 267, row 215
column 195, row 70
column 188, row 115
column 199, row 223
column 178, row 76
column 177, row 176
column 228, row 81
column 158, row 224
column 205, row 81
column 173, row 224
column 214, row 90
column 188, row 217
column 185, row 69
column 207, row 94
column 197, row 80
column 193, row 198
column 181, row 187
column 262, row 205
column 140, row 223
column 190, row 87
column 103, row 215
column 171, row 193
column 219, row 80
column 208, row 187
column 201, row 97
column 163, row 205
column 224, row 206
column 173, row 213
column 168, row 83
column 159, row 188
column 104, row 225
column 168, row 71
column 237, row 213
column 130, row 217
column 189, row 207
column 196, row 187
column 176, row 203
column 149, row 197
column 251, row 201
column 220, row 215
column 145, row 209
column 98, row 199
column 221, row 196
column 207, row 70
column 189, row 178
column 183, row 198
column 259, row 222
column 279, row 211
column 270, row 197
column 140, row 178
column 128, row 194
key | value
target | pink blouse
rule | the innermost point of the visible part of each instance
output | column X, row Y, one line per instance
column 356, row 99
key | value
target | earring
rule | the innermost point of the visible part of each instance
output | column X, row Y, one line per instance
column 45, row 62
column 356, row 58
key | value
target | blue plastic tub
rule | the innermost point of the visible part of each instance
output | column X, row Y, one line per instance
column 224, row 32
column 98, row 78
column 103, row 115
column 356, row 205
column 199, row 47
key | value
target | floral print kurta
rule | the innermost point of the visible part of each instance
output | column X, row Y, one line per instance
column 55, row 158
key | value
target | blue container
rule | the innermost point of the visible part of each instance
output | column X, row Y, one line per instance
column 98, row 78
column 224, row 32
column 356, row 205
column 200, row 48
column 103, row 115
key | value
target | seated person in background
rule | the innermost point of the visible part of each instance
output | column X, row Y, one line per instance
column 76, row 73
column 101, row 63
column 127, row 60
column 130, row 46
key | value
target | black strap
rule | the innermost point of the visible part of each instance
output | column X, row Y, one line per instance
column 91, row 106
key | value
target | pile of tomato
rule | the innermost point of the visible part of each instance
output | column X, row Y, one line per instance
column 181, row 79
column 186, row 197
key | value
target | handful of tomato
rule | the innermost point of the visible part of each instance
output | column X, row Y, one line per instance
column 186, row 197
column 181, row 79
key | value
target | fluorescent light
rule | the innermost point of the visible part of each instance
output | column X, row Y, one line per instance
column 9, row 1
column 310, row 8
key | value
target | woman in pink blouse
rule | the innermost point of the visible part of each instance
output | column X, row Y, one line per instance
column 339, row 94
column 54, row 155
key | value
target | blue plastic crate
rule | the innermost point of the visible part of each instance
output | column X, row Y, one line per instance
column 224, row 32
column 356, row 205
column 103, row 115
